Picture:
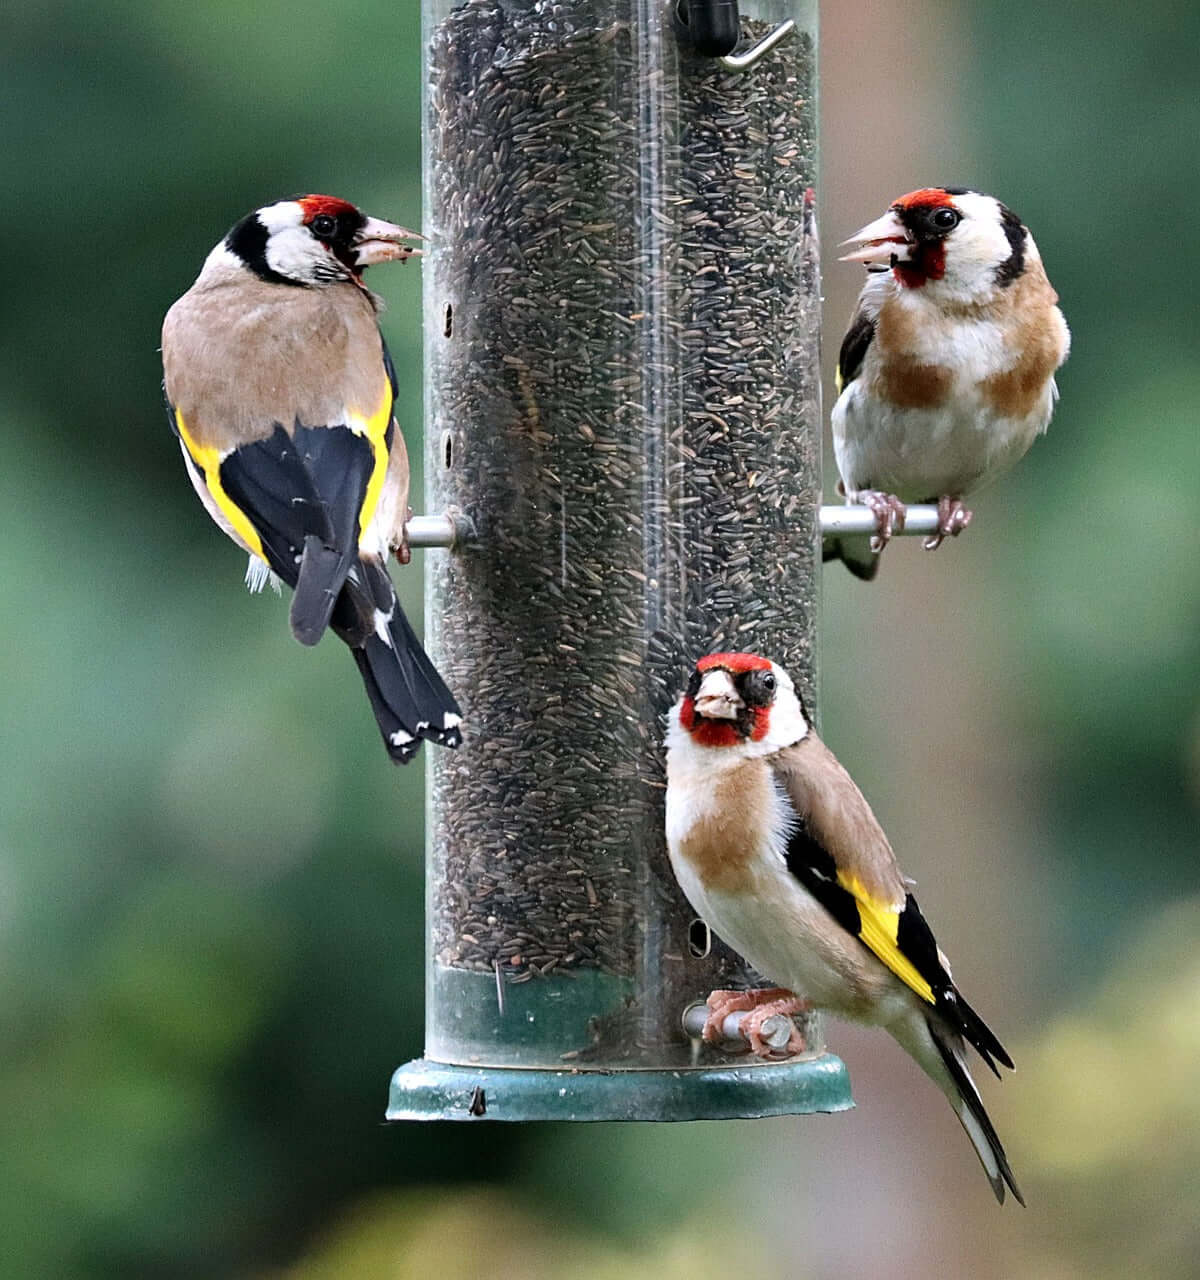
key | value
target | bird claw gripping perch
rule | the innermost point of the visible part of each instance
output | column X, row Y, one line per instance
column 953, row 518
column 890, row 514
column 759, row 1007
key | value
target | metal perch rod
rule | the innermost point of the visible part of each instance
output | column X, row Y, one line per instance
column 435, row 531
column 447, row 531
column 921, row 519
column 776, row 1030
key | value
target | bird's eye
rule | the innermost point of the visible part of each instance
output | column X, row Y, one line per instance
column 324, row 225
column 945, row 218
column 759, row 687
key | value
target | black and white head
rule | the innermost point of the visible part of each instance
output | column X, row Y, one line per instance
column 948, row 240
column 312, row 241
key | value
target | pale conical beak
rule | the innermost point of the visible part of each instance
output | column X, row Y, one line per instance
column 380, row 241
column 717, row 699
column 880, row 240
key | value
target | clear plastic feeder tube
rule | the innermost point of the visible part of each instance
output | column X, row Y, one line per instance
column 621, row 318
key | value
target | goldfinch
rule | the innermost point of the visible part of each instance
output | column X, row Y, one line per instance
column 946, row 373
column 279, row 387
column 776, row 849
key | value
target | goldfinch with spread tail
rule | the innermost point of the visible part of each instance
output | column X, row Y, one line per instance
column 776, row 849
column 280, row 389
column 946, row 373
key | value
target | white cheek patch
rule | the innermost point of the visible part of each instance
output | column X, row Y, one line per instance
column 787, row 724
column 292, row 252
column 978, row 244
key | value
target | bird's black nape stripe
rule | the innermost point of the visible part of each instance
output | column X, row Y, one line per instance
column 248, row 240
column 958, row 191
column 1014, row 231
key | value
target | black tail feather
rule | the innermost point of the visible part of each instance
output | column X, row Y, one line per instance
column 409, row 697
column 323, row 571
column 970, row 1095
column 979, row 1034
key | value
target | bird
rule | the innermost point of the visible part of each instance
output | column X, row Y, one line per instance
column 780, row 854
column 280, row 389
column 945, row 376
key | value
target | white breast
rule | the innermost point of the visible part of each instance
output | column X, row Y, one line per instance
column 923, row 454
column 771, row 920
column 954, row 448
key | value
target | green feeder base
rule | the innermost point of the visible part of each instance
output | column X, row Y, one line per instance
column 424, row 1090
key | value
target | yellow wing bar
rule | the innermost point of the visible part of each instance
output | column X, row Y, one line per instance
column 209, row 462
column 879, row 929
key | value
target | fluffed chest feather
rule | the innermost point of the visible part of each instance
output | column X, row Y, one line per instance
column 947, row 401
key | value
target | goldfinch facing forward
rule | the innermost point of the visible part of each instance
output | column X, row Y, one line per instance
column 946, row 373
column 280, row 389
column 775, row 847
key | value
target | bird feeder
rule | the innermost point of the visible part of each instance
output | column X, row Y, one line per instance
column 622, row 304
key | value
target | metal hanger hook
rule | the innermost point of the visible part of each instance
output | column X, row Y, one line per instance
column 740, row 61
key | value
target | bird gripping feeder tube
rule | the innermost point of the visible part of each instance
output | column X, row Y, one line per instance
column 623, row 397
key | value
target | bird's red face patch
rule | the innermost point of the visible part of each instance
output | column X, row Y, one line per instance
column 754, row 721
column 925, row 198
column 928, row 260
column 313, row 206
column 734, row 663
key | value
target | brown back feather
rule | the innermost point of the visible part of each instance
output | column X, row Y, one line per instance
column 241, row 354
column 839, row 818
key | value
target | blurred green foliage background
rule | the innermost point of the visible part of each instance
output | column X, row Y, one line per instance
column 210, row 876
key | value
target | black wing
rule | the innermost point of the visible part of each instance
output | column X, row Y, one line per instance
column 900, row 939
column 304, row 495
column 854, row 349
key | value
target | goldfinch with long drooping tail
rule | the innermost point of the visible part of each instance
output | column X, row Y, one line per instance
column 280, row 388
column 946, row 373
column 775, row 847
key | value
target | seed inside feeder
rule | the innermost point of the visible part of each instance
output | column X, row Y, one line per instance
column 632, row 392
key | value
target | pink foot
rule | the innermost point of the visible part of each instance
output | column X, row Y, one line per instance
column 953, row 518
column 889, row 513
column 752, row 1025
column 401, row 549
column 758, row 1006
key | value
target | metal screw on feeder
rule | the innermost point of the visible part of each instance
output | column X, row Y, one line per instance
column 623, row 394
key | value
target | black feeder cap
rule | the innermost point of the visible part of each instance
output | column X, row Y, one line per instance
column 711, row 27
